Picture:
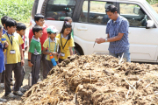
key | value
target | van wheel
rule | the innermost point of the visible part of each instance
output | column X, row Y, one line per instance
column 78, row 50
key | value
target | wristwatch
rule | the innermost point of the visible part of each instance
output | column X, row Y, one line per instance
column 106, row 39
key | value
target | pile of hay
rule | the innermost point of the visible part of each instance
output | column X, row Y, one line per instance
column 96, row 80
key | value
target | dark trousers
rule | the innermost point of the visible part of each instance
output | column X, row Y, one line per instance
column 23, row 75
column 44, row 66
column 2, row 77
column 8, row 72
column 49, row 66
column 36, row 61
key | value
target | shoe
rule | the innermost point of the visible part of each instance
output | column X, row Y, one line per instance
column 19, row 93
column 2, row 100
column 23, row 89
column 2, row 85
column 12, row 83
column 12, row 88
column 11, row 95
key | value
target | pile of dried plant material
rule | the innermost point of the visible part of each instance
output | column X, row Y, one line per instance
column 96, row 80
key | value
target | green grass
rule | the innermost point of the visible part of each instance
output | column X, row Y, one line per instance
column 20, row 10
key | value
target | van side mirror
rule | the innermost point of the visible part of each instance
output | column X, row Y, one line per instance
column 150, row 24
column 136, row 10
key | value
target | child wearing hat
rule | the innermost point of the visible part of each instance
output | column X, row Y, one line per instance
column 51, row 46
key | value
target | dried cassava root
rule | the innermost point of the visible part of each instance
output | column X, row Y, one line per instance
column 96, row 80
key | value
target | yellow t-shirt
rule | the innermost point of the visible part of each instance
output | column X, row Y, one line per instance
column 53, row 47
column 66, row 50
column 16, row 43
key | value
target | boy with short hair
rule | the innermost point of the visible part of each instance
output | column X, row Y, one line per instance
column 39, row 20
column 34, row 55
column 20, row 29
column 15, row 59
column 52, row 44
column 3, row 20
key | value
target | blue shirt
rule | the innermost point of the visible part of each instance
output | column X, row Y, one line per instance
column 121, row 25
column 4, row 31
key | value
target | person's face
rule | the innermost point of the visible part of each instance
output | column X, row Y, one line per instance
column 11, row 29
column 39, row 33
column 111, row 15
column 52, row 35
column 40, row 22
column 1, row 32
column 67, row 31
column 21, row 32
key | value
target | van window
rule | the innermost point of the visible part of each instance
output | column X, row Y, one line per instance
column 134, row 14
column 58, row 9
column 97, row 14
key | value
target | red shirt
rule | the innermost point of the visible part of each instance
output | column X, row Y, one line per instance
column 43, row 37
column 23, row 45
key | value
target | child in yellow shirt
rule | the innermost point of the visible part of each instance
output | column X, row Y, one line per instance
column 15, row 59
column 50, row 46
column 66, row 41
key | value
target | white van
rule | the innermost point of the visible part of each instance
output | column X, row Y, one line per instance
column 90, row 19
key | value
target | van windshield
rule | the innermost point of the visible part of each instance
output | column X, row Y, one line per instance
column 153, row 11
column 59, row 9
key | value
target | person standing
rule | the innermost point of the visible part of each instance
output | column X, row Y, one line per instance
column 34, row 54
column 39, row 20
column 117, row 31
column 66, row 42
column 15, row 59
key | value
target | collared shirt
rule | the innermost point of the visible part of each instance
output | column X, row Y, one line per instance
column 52, row 47
column 66, row 49
column 121, row 25
column 35, row 46
column 43, row 37
column 4, row 31
column 65, row 37
column 16, row 42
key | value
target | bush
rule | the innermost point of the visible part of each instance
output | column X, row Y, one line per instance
column 152, row 1
column 20, row 10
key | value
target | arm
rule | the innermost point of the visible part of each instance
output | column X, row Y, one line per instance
column 29, row 59
column 22, row 56
column 71, row 51
column 47, row 52
column 117, row 38
column 31, row 51
column 122, row 30
column 72, row 44
column 108, row 36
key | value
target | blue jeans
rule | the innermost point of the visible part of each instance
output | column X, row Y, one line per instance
column 126, row 56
